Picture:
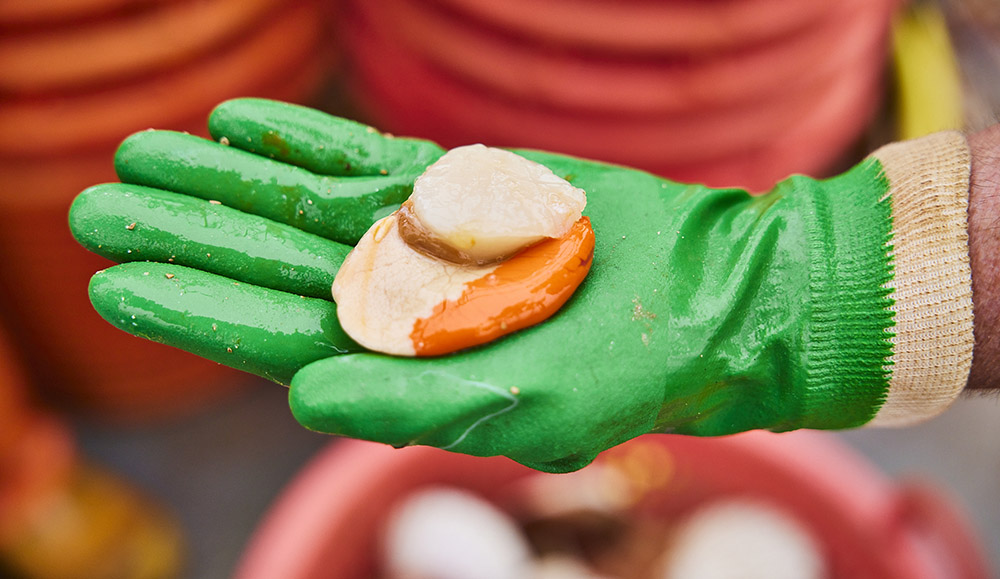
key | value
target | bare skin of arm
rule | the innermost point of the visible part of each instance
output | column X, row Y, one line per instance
column 984, row 254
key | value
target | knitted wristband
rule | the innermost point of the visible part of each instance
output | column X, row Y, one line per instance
column 932, row 282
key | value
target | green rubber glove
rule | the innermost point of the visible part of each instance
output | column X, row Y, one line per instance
column 706, row 312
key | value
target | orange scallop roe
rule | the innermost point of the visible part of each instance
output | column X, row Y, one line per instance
column 522, row 291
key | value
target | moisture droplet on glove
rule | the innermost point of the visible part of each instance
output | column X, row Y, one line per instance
column 488, row 243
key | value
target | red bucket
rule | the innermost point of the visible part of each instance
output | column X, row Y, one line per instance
column 327, row 522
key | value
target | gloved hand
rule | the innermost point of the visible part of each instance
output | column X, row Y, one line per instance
column 706, row 312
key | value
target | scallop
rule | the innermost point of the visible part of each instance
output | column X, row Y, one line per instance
column 483, row 226
column 488, row 203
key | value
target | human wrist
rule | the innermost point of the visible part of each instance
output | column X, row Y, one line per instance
column 984, row 256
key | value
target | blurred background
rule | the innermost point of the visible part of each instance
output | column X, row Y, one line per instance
column 123, row 458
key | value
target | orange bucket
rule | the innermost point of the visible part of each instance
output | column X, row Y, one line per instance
column 60, row 125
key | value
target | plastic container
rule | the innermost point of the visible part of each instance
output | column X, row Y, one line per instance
column 502, row 66
column 58, row 515
column 751, row 145
column 327, row 521
column 83, row 76
column 136, row 43
column 261, row 63
column 729, row 93
column 649, row 27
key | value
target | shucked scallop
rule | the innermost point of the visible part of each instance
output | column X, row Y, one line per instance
column 490, row 203
column 488, row 243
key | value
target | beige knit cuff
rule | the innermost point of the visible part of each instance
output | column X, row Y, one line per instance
column 932, row 283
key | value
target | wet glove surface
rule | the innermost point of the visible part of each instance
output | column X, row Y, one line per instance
column 705, row 312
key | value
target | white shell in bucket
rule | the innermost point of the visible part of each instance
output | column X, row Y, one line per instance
column 449, row 533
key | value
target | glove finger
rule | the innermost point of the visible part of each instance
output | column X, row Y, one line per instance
column 250, row 328
column 314, row 140
column 125, row 222
column 337, row 208
column 398, row 401
column 444, row 403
